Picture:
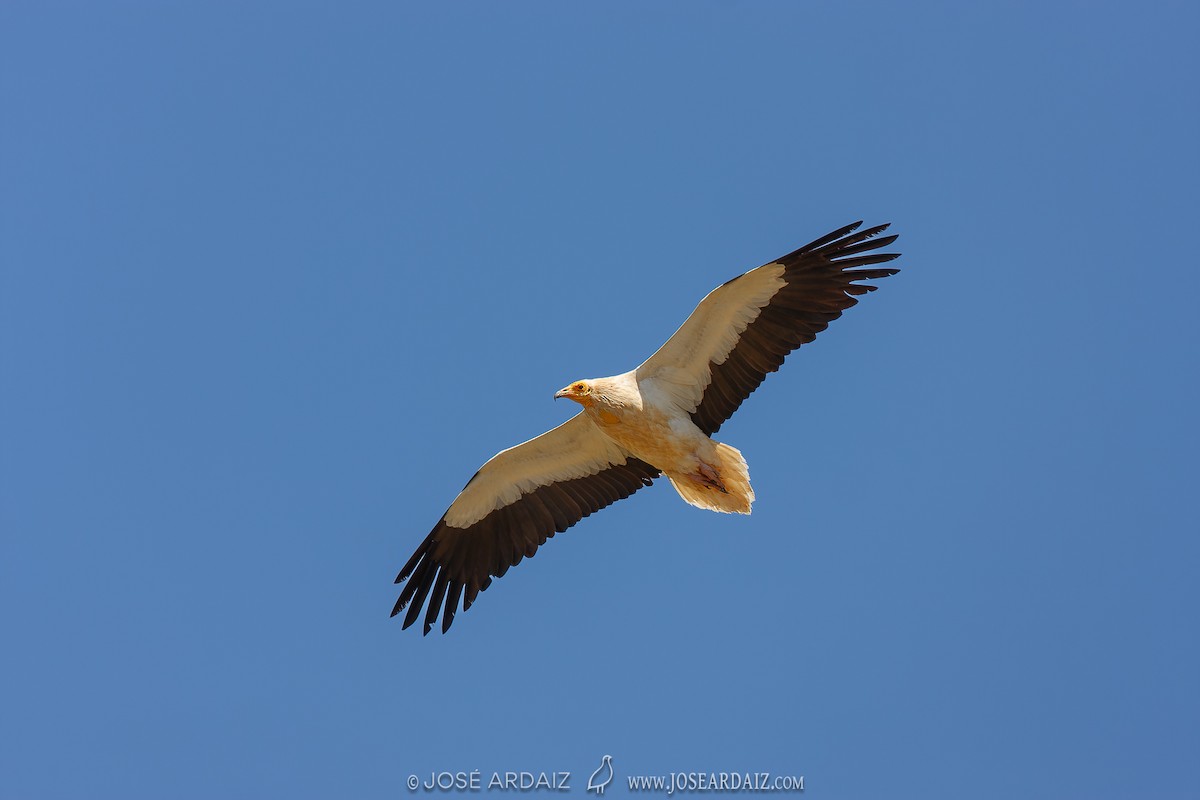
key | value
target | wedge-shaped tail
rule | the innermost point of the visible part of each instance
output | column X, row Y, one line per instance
column 732, row 473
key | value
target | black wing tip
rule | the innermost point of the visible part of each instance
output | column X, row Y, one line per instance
column 832, row 236
column 447, row 612
column 884, row 241
column 437, row 583
column 446, row 606
column 853, row 228
column 415, row 560
column 870, row 232
column 877, row 258
column 853, row 241
column 845, row 241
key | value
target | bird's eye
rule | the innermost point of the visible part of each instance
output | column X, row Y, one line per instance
column 580, row 387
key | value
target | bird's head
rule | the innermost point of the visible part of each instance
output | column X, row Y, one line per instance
column 579, row 391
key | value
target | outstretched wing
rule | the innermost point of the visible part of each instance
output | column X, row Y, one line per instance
column 745, row 328
column 517, row 500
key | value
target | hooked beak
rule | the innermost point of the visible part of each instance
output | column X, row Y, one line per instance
column 575, row 392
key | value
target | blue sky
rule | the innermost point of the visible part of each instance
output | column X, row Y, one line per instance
column 276, row 278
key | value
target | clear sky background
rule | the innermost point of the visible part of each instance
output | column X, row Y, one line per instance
column 277, row 278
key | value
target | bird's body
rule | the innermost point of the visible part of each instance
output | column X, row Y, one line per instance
column 657, row 419
column 643, row 419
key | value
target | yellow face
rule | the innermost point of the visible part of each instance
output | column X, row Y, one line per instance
column 579, row 391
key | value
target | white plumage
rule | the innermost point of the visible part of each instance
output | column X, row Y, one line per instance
column 656, row 419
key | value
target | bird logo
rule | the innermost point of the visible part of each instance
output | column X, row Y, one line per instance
column 602, row 777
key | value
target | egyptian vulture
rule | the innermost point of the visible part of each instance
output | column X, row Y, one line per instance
column 655, row 420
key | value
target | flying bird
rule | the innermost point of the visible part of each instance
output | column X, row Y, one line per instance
column 657, row 419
